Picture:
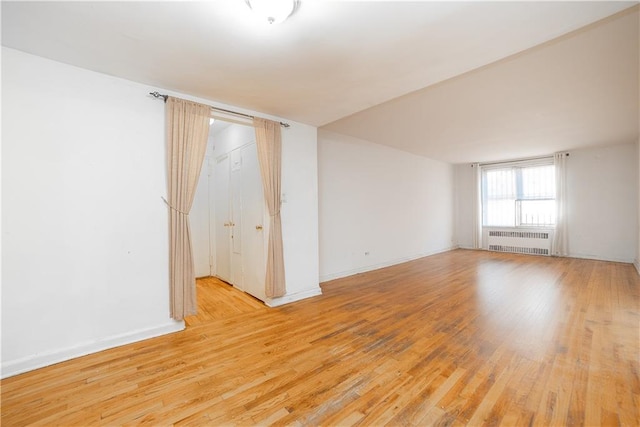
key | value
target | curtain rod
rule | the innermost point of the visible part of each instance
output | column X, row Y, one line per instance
column 159, row 95
column 518, row 160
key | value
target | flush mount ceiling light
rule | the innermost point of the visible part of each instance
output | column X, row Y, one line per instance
column 273, row 11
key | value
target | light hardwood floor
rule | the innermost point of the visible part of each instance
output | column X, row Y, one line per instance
column 219, row 300
column 464, row 337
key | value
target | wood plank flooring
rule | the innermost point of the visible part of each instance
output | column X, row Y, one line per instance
column 219, row 300
column 464, row 337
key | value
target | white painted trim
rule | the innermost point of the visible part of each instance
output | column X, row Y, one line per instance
column 578, row 256
column 333, row 276
column 467, row 247
column 595, row 258
column 289, row 298
column 41, row 360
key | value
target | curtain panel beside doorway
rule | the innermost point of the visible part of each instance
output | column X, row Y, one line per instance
column 269, row 145
column 187, row 132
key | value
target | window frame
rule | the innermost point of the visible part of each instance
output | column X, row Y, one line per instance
column 517, row 167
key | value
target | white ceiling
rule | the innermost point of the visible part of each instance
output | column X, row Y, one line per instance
column 577, row 91
column 333, row 59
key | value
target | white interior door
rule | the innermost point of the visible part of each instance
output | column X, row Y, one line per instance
column 232, row 235
column 199, row 219
column 253, row 259
column 222, row 219
column 235, row 189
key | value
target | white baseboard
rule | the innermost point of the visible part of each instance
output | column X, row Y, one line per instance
column 599, row 258
column 29, row 363
column 297, row 296
column 637, row 265
column 341, row 274
column 466, row 247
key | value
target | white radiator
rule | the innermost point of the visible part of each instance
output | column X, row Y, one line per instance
column 534, row 242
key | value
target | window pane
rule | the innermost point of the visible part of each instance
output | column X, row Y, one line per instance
column 499, row 197
column 538, row 182
column 500, row 212
column 537, row 212
column 501, row 184
column 519, row 195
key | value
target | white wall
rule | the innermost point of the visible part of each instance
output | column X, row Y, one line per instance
column 602, row 188
column 84, row 231
column 299, row 212
column 602, row 192
column 393, row 205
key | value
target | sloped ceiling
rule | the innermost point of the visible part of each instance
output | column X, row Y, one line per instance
column 344, row 64
column 576, row 91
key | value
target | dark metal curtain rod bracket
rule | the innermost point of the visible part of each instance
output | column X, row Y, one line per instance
column 158, row 95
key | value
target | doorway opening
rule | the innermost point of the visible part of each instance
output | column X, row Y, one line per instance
column 229, row 222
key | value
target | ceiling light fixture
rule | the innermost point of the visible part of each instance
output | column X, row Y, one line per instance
column 273, row 11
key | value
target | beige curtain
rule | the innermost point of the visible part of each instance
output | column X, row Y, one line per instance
column 187, row 133
column 269, row 144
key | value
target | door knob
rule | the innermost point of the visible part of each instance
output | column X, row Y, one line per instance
column 226, row 224
column 258, row 227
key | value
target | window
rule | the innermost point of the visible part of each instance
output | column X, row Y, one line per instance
column 519, row 194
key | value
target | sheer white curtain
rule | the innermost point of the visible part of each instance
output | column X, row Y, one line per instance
column 477, row 206
column 560, row 245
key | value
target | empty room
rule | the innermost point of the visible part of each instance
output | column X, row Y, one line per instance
column 297, row 212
